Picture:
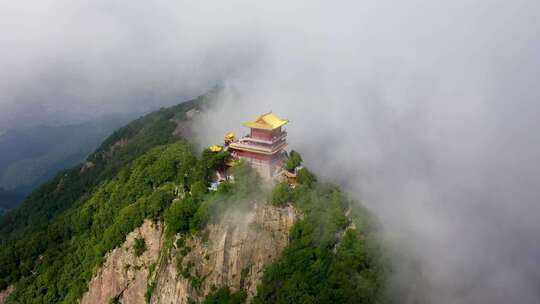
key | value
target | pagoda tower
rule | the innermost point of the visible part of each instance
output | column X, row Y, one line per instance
column 264, row 147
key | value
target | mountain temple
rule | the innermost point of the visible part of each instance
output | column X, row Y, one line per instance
column 264, row 147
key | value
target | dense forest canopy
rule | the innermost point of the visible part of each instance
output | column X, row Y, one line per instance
column 53, row 243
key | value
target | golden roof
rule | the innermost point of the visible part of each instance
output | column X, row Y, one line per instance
column 229, row 136
column 216, row 148
column 268, row 121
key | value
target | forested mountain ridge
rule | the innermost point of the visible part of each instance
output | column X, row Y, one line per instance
column 31, row 155
column 60, row 237
column 119, row 149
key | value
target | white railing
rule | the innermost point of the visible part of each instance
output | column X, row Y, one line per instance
column 268, row 149
column 282, row 135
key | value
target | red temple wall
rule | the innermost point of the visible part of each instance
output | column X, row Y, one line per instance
column 265, row 134
column 262, row 134
column 253, row 155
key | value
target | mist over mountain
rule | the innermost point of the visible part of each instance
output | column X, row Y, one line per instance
column 426, row 111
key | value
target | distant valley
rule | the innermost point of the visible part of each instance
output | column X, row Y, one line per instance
column 30, row 156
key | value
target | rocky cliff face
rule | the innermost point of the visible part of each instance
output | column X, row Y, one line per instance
column 4, row 294
column 124, row 275
column 231, row 252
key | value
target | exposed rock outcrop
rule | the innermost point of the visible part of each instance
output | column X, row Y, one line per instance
column 233, row 251
column 184, row 126
column 4, row 294
column 87, row 166
column 124, row 275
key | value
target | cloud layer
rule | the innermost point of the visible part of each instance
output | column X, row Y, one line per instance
column 427, row 110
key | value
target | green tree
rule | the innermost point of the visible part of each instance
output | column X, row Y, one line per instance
column 282, row 194
column 246, row 180
column 305, row 177
column 294, row 160
column 179, row 215
column 139, row 246
column 225, row 296
column 198, row 189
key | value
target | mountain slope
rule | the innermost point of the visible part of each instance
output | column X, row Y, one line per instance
column 88, row 232
column 26, row 231
column 118, row 150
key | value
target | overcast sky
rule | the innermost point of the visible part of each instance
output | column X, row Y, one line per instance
column 427, row 111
